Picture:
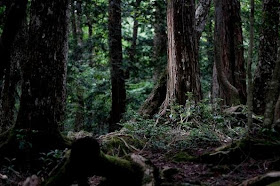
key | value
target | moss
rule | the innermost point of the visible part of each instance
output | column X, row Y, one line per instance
column 121, row 145
column 182, row 157
column 275, row 184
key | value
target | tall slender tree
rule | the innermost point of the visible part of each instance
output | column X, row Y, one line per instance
column 117, row 72
column 249, row 66
column 229, row 57
column 267, row 53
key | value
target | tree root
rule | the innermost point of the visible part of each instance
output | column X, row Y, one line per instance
column 241, row 150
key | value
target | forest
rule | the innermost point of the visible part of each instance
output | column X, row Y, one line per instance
column 139, row 92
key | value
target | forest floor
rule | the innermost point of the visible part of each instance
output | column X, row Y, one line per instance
column 173, row 148
column 195, row 173
column 177, row 171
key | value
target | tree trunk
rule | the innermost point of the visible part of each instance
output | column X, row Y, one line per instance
column 11, row 81
column 277, row 112
column 160, row 40
column 201, row 15
column 15, row 17
column 117, row 73
column 44, row 75
column 267, row 53
column 249, row 66
column 183, row 69
column 157, row 96
column 229, row 59
column 273, row 93
column 132, row 49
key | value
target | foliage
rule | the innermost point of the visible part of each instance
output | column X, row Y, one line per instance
column 50, row 160
column 187, row 126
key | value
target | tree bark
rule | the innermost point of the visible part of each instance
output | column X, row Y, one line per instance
column 249, row 66
column 229, row 57
column 267, row 53
column 156, row 98
column 117, row 73
column 12, row 80
column 273, row 93
column 183, row 69
column 15, row 17
column 160, row 40
column 277, row 112
column 201, row 15
column 44, row 75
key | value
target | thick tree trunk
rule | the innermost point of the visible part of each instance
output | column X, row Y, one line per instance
column 160, row 51
column 44, row 75
column 11, row 81
column 267, row 53
column 183, row 69
column 117, row 73
column 160, row 40
column 273, row 93
column 15, row 17
column 229, row 59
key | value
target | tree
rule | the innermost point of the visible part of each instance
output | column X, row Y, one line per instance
column 117, row 72
column 273, row 92
column 132, row 50
column 249, row 66
column 15, row 17
column 196, row 25
column 183, row 69
column 157, row 96
column 44, row 78
column 267, row 53
column 12, row 55
column 229, row 57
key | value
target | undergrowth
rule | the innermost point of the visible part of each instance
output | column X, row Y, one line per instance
column 187, row 126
